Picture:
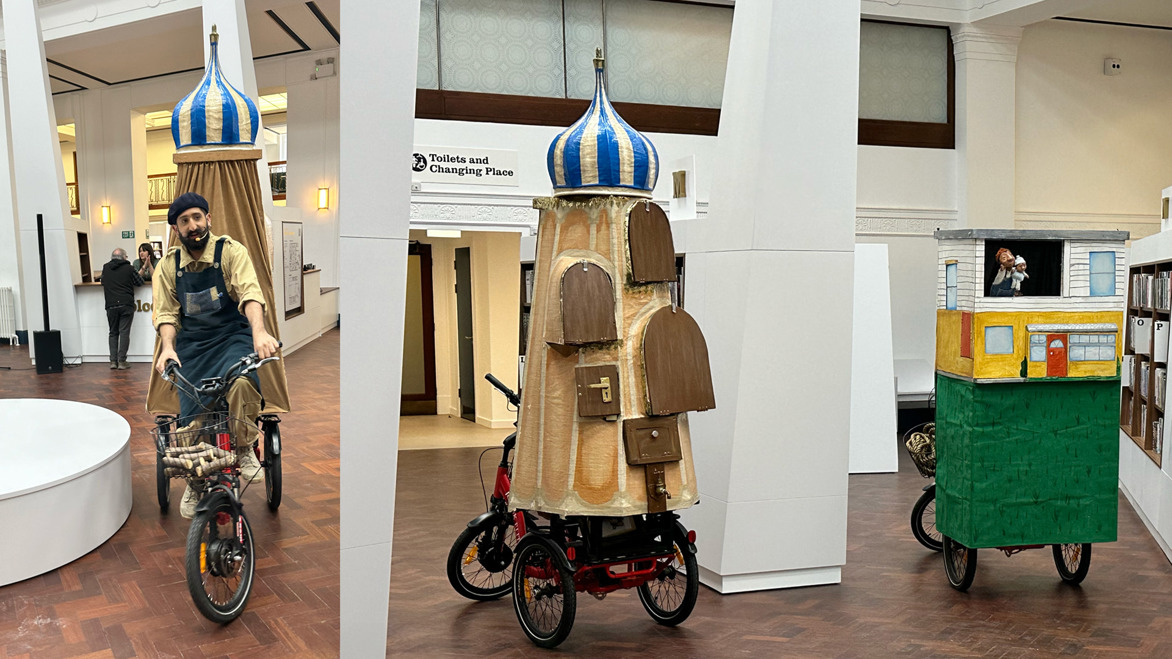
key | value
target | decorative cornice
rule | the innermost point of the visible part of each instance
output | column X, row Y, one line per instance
column 903, row 221
column 991, row 44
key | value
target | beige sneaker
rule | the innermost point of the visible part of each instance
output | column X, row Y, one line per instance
column 250, row 469
column 188, row 503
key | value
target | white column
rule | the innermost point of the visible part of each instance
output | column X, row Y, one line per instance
column 10, row 257
column 111, row 151
column 312, row 129
column 39, row 178
column 377, row 88
column 771, row 287
column 235, row 50
column 986, row 63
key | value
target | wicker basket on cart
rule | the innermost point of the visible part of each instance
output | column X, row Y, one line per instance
column 920, row 442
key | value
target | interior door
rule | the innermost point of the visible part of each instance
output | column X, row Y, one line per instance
column 464, row 333
column 1056, row 355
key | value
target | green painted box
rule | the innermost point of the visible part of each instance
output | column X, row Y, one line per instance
column 1025, row 463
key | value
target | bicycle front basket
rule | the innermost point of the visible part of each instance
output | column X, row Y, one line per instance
column 920, row 443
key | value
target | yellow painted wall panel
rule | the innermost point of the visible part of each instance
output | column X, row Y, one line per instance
column 1009, row 365
column 948, row 357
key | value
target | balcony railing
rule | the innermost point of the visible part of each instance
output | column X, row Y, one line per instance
column 74, row 206
column 277, row 179
column 161, row 187
column 161, row 190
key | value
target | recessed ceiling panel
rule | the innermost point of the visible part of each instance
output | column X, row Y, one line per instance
column 269, row 38
column 1138, row 12
column 302, row 21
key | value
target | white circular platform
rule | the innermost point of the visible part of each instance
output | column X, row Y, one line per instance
column 64, row 477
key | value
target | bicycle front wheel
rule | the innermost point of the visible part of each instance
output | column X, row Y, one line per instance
column 220, row 562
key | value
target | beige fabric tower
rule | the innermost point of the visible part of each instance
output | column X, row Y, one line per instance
column 613, row 363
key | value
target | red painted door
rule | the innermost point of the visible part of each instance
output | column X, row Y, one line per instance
column 1056, row 355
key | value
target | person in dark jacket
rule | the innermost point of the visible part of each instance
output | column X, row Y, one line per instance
column 118, row 280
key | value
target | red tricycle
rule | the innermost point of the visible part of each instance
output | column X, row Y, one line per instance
column 546, row 559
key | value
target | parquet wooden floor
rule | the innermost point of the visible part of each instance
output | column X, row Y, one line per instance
column 128, row 599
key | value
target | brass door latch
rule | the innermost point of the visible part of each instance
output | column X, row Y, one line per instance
column 604, row 385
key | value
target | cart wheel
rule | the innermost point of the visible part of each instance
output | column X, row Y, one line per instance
column 960, row 563
column 1073, row 561
column 543, row 594
column 670, row 597
column 162, row 485
column 162, row 482
column 272, row 465
column 924, row 520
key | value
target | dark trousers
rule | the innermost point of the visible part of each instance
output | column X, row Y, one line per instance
column 119, row 318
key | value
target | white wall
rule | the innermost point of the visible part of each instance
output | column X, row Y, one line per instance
column 1092, row 150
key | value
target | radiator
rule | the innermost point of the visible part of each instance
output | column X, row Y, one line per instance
column 7, row 315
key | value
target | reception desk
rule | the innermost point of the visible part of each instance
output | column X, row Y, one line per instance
column 95, row 329
column 320, row 316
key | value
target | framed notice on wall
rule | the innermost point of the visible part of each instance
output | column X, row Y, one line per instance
column 291, row 248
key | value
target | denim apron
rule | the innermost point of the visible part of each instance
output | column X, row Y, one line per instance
column 213, row 333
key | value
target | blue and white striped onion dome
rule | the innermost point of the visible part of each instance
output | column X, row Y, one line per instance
column 216, row 113
column 601, row 153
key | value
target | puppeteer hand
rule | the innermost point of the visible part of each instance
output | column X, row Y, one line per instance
column 264, row 345
column 165, row 355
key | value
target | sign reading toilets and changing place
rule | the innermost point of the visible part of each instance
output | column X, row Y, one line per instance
column 446, row 164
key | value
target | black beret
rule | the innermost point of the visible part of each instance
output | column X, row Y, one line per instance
column 183, row 202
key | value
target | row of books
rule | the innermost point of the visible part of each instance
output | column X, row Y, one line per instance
column 1151, row 290
column 1158, row 436
column 1161, row 386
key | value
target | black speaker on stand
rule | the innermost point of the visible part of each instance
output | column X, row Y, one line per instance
column 46, row 343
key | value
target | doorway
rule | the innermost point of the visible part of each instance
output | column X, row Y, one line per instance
column 1056, row 356
column 418, row 381
column 467, row 391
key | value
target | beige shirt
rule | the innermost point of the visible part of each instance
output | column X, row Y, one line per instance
column 235, row 264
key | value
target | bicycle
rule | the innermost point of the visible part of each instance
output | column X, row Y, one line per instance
column 920, row 442
column 479, row 564
column 219, row 559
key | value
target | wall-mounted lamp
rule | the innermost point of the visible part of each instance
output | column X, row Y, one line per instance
column 105, row 214
column 323, row 199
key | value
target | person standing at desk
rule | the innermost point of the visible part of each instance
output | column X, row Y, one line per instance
column 118, row 281
column 144, row 265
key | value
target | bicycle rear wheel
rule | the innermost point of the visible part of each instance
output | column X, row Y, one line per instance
column 671, row 596
column 543, row 594
column 220, row 562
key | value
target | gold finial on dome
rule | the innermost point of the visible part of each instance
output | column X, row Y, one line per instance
column 598, row 58
column 215, row 36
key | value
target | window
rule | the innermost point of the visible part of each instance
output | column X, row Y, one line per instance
column 1102, row 273
column 1037, row 347
column 1092, row 347
column 999, row 340
column 950, row 286
column 906, row 85
column 1043, row 265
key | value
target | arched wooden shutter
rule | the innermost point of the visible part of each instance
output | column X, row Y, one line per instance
column 653, row 255
column 587, row 305
column 675, row 357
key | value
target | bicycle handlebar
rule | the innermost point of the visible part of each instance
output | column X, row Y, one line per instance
column 245, row 364
column 500, row 386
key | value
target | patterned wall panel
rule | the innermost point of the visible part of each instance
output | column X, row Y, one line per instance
column 428, row 69
column 583, row 35
column 502, row 46
column 667, row 54
column 903, row 73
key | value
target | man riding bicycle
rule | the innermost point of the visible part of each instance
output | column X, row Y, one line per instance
column 209, row 312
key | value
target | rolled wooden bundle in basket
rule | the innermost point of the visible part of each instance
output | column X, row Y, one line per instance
column 206, row 468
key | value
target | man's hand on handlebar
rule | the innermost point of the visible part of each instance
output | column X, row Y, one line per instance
column 166, row 355
column 264, row 345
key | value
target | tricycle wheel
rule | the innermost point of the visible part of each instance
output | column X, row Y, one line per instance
column 1073, row 561
column 960, row 563
column 543, row 594
column 162, row 481
column 924, row 520
column 670, row 597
